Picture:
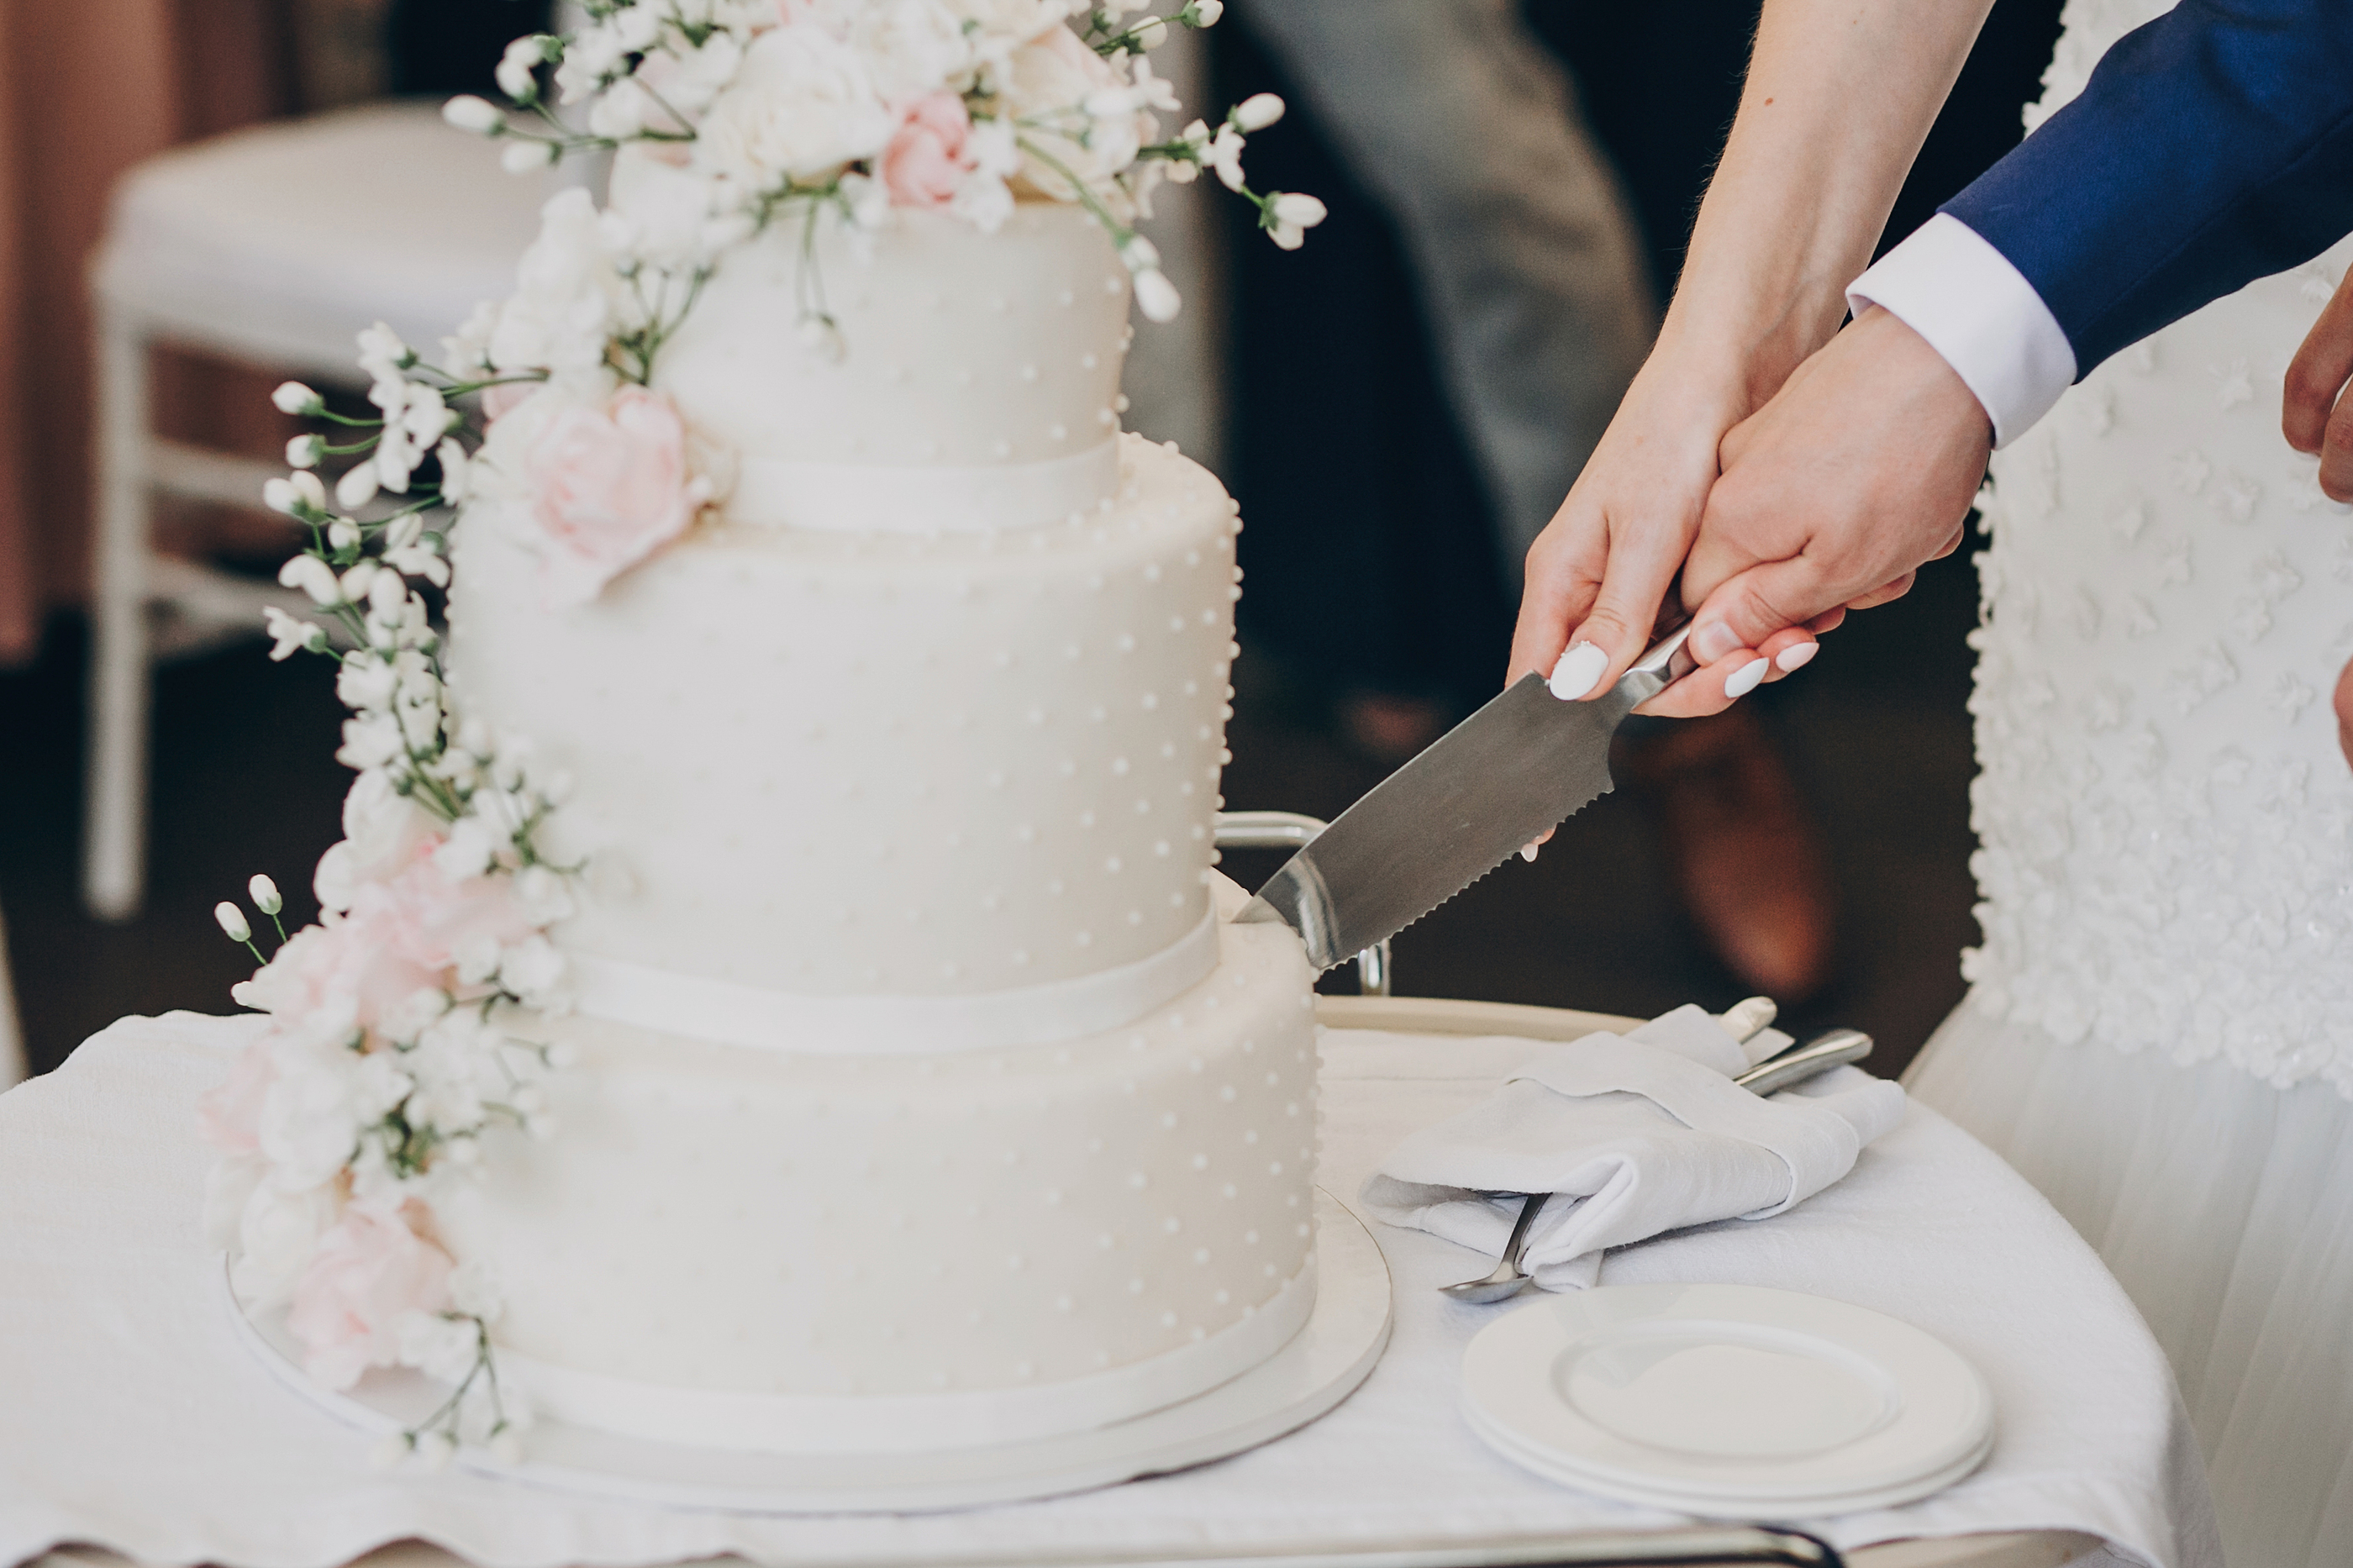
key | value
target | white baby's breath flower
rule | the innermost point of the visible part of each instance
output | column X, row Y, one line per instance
column 293, row 397
column 470, row 850
column 477, row 115
column 369, row 742
column 382, row 354
column 304, row 451
column 232, row 921
column 442, row 1348
column 544, row 896
column 436, row 1449
column 1298, row 210
column 1156, row 297
column 468, row 350
column 357, row 486
column 532, row 969
column 264, row 894
column 314, row 577
column 912, row 47
column 276, row 1233
column 288, row 636
column 1225, row 157
column 1257, row 111
column 527, row 155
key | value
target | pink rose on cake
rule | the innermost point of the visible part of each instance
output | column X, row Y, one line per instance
column 366, row 1272
column 930, row 153
column 610, row 484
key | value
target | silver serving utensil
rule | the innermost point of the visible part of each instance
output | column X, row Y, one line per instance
column 1798, row 1063
column 1508, row 1280
column 1794, row 1066
column 1496, row 781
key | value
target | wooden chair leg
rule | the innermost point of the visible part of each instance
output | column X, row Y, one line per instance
column 115, row 794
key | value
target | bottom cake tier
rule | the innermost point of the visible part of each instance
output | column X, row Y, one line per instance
column 812, row 1252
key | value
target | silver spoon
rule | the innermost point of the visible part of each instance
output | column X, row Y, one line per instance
column 1507, row 1280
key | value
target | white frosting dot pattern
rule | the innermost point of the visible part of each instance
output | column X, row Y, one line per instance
column 667, row 1171
column 860, row 774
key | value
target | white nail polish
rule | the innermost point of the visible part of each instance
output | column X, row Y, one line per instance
column 1797, row 655
column 1745, row 679
column 1528, row 853
column 1578, row 670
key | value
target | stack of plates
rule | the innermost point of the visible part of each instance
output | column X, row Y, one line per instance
column 1726, row 1400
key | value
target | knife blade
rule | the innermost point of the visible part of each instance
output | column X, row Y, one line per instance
column 1498, row 780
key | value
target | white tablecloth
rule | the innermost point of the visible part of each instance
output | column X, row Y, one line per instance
column 131, row 1418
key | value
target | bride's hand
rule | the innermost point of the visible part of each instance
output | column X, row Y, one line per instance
column 1602, row 568
column 2314, row 416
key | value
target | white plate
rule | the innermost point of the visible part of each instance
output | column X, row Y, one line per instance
column 1321, row 1366
column 1726, row 1399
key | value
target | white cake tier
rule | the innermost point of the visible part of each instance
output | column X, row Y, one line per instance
column 748, row 1249
column 846, row 792
column 975, row 383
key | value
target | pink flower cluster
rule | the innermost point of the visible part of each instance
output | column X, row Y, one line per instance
column 368, row 1272
column 931, row 152
column 609, row 485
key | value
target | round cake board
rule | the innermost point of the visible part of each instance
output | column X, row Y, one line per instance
column 1320, row 1367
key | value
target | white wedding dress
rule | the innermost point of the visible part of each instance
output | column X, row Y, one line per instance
column 2160, row 1030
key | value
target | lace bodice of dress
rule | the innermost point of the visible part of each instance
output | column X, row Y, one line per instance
column 2165, row 819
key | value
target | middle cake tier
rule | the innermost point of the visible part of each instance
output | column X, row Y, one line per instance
column 977, row 770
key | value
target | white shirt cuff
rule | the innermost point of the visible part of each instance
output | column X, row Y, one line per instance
column 1949, row 285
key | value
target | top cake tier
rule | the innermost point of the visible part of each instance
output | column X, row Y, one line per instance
column 969, row 381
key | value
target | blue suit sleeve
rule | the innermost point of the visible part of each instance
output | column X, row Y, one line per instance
column 2211, row 147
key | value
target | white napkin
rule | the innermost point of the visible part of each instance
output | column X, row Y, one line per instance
column 1639, row 1134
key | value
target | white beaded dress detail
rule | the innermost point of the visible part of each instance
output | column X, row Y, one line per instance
column 2159, row 1034
column 2166, row 820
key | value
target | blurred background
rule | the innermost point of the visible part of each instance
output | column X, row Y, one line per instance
column 1397, row 406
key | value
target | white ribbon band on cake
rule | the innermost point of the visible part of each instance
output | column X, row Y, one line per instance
column 732, row 1014
column 907, row 1423
column 865, row 498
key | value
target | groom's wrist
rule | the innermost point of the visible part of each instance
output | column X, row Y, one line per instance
column 1982, row 317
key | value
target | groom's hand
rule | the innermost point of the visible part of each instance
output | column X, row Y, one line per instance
column 2314, row 414
column 1861, row 467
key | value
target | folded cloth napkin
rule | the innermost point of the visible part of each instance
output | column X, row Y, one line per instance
column 1638, row 1134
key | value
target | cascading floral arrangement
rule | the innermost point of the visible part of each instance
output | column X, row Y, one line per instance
column 398, row 1025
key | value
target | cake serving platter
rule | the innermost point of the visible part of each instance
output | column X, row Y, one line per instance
column 1321, row 1366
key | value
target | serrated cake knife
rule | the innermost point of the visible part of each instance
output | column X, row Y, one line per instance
column 1498, row 780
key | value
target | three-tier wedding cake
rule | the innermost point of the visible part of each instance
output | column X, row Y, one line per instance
column 774, row 993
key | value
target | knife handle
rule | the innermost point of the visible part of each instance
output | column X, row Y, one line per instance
column 1799, row 1063
column 1667, row 662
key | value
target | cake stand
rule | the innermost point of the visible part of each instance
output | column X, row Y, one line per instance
column 1321, row 1366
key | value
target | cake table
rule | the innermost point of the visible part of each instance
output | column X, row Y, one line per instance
column 137, row 1425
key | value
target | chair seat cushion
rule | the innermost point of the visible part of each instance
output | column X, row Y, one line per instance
column 280, row 243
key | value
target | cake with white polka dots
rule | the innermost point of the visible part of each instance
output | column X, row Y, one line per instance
column 925, row 1095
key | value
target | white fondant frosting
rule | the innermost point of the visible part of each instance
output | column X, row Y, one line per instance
column 959, row 349
column 922, row 1099
column 912, row 1423
column 845, row 1226
column 848, row 765
column 737, row 1014
column 775, row 494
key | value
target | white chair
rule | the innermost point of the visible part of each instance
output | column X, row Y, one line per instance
column 273, row 247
